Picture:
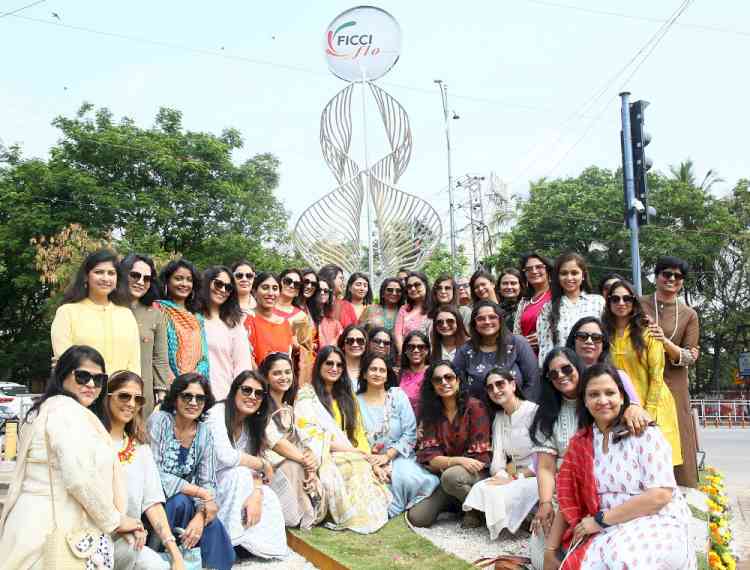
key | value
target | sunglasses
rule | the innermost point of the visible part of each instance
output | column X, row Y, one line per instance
column 309, row 282
column 666, row 274
column 565, row 371
column 449, row 378
column 616, row 299
column 443, row 288
column 289, row 282
column 220, row 285
column 83, row 377
column 127, row 397
column 137, row 276
column 199, row 399
column 393, row 290
column 498, row 385
column 534, row 268
column 445, row 322
column 381, row 342
column 352, row 340
column 415, row 285
column 254, row 393
column 463, row 286
column 249, row 276
column 322, row 291
column 416, row 347
column 596, row 338
column 333, row 364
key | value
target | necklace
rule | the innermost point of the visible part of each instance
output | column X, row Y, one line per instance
column 127, row 453
column 676, row 315
column 538, row 297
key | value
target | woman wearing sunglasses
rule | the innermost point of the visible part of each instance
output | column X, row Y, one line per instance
column 228, row 345
column 414, row 361
column 186, row 332
column 391, row 429
column 358, row 293
column 491, row 344
column 342, row 312
column 183, row 449
column 353, row 343
column 291, row 306
column 123, row 416
column 267, row 331
column 248, row 507
column 445, row 292
column 536, row 269
column 508, row 495
column 454, row 443
column 380, row 341
column 414, row 315
column 330, row 425
column 62, row 438
column 447, row 332
column 390, row 300
column 95, row 313
column 641, row 356
column 244, row 275
column 140, row 273
column 329, row 328
column 676, row 324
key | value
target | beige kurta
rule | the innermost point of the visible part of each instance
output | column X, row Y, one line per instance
column 155, row 371
column 86, row 479
column 676, row 377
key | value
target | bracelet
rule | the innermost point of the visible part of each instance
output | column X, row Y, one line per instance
column 168, row 540
column 545, row 502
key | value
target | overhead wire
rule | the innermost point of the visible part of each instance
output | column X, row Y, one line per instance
column 21, row 9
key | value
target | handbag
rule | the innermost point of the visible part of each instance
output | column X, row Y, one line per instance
column 68, row 550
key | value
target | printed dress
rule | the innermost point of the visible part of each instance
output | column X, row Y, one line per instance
column 587, row 305
column 657, row 541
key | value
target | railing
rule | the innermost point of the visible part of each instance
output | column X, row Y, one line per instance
column 727, row 413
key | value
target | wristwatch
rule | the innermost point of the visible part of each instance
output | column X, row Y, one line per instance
column 599, row 518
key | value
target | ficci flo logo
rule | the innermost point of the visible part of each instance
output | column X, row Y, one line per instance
column 345, row 42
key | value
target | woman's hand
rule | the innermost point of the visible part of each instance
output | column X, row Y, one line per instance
column 543, row 519
column 382, row 473
column 253, row 508
column 656, row 331
column 140, row 539
column 550, row 560
column 128, row 525
column 584, row 528
column 471, row 465
column 378, row 460
column 533, row 340
column 267, row 471
column 309, row 462
column 210, row 510
column 193, row 531
column 637, row 419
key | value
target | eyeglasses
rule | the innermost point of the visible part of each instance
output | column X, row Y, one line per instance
column 249, row 276
column 393, row 290
column 137, row 276
column 352, row 340
column 381, row 342
column 309, row 282
column 445, row 322
column 127, row 397
column 462, row 285
column 83, row 377
column 616, row 299
column 414, row 285
column 323, row 291
column 199, row 399
column 289, row 282
column 254, row 393
column 333, row 364
column 448, row 378
column 498, row 385
column 596, row 338
column 534, row 268
column 486, row 319
column 415, row 347
column 220, row 285
column 566, row 370
column 667, row 274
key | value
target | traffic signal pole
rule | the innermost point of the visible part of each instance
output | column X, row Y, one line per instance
column 628, row 176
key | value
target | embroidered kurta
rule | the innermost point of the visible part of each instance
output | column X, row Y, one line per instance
column 110, row 329
column 646, row 372
column 393, row 425
column 527, row 312
column 379, row 316
column 587, row 305
column 228, row 355
column 155, row 371
column 187, row 349
column 407, row 321
column 564, row 428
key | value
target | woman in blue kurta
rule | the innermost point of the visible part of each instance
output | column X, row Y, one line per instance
column 392, row 433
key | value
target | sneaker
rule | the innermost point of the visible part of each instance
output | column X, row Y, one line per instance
column 472, row 519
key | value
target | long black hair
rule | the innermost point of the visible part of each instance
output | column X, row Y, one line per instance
column 373, row 332
column 585, row 419
column 229, row 311
column 78, row 289
column 529, row 292
column 352, row 278
column 443, row 277
column 319, row 310
column 436, row 338
column 430, row 404
column 191, row 303
column 341, row 391
column 607, row 277
column 508, row 376
column 504, row 342
column 68, row 362
column 427, row 303
column 557, row 291
column 345, row 333
column 405, row 362
column 298, row 300
column 637, row 322
column 387, row 281
column 126, row 266
column 253, row 425
column 135, row 428
column 391, row 380
column 180, row 384
column 571, row 342
column 265, row 368
column 550, row 400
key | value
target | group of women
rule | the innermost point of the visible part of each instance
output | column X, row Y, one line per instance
column 239, row 404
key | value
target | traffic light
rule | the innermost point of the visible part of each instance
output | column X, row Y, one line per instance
column 641, row 163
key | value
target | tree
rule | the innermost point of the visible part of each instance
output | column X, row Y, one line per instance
column 439, row 262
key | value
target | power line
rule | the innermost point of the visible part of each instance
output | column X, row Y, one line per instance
column 21, row 9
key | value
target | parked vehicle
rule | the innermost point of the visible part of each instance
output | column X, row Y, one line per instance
column 15, row 400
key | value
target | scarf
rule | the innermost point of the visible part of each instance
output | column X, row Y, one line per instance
column 576, row 491
column 186, row 339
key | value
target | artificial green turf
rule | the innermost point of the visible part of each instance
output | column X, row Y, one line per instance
column 393, row 546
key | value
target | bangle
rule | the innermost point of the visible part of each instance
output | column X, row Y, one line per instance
column 168, row 540
column 545, row 502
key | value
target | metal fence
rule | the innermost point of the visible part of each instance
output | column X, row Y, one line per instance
column 727, row 413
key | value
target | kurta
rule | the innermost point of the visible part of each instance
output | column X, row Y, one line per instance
column 506, row 506
column 587, row 305
column 646, row 372
column 81, row 453
column 267, row 336
column 267, row 538
column 187, row 349
column 683, row 330
column 360, row 436
column 228, row 355
column 629, row 468
column 155, row 371
column 393, row 425
column 411, row 383
column 379, row 316
column 564, row 428
column 110, row 329
column 527, row 312
column 407, row 321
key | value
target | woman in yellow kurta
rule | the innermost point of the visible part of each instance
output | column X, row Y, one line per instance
column 95, row 313
column 639, row 354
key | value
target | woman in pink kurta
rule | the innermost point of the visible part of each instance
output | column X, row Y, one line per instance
column 414, row 361
column 537, row 269
column 413, row 315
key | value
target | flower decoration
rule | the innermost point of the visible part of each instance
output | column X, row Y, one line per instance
column 720, row 555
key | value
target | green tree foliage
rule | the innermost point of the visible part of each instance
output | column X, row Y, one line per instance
column 439, row 262
column 161, row 190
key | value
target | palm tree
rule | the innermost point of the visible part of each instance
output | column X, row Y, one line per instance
column 684, row 173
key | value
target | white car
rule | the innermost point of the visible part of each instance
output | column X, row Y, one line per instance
column 15, row 399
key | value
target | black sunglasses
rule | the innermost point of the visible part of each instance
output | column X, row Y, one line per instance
column 358, row 340
column 323, row 291
column 249, row 276
column 310, row 282
column 289, row 282
column 627, row 299
column 445, row 322
column 564, row 371
column 254, row 393
column 393, row 290
column 83, row 377
column 199, row 399
column 444, row 379
column 220, row 285
column 126, row 398
column 138, row 276
column 381, row 342
column 415, row 347
column 414, row 285
column 667, row 274
column 596, row 338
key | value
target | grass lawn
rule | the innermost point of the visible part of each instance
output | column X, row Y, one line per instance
column 393, row 546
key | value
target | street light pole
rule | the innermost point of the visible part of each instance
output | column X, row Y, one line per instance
column 444, row 97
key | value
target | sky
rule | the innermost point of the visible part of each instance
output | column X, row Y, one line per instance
column 521, row 74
